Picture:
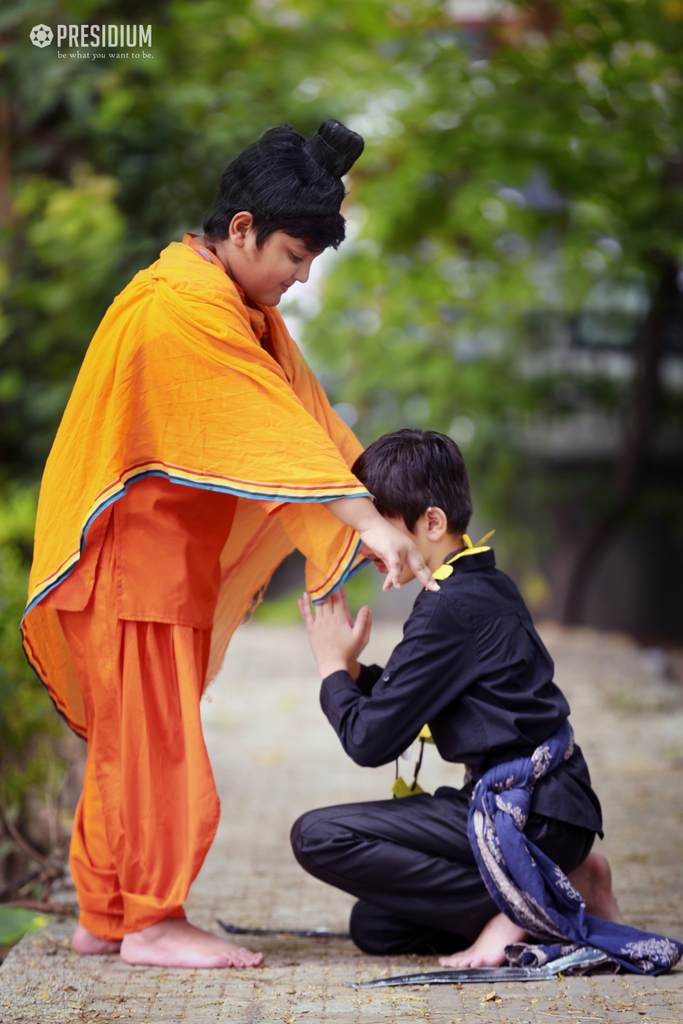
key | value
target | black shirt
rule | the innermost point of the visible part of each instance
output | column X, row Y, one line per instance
column 473, row 667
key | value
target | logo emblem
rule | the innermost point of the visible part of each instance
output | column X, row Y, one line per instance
column 41, row 35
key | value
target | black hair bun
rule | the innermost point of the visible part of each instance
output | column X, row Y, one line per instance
column 289, row 184
column 335, row 147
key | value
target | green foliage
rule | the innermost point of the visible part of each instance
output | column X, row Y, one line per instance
column 28, row 724
column 15, row 922
column 518, row 190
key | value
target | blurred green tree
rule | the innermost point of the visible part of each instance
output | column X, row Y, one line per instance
column 515, row 277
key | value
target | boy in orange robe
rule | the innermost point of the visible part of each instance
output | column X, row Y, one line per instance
column 196, row 451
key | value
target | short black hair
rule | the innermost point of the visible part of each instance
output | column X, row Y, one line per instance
column 289, row 184
column 408, row 471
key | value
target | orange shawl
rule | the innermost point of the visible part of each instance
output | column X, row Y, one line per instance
column 175, row 383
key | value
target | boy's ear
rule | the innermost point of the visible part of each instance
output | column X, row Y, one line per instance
column 240, row 225
column 436, row 522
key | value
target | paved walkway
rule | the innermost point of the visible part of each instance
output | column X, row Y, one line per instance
column 274, row 756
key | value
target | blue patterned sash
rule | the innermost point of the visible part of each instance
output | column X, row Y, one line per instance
column 527, row 886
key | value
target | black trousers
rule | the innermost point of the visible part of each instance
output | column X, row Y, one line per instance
column 410, row 864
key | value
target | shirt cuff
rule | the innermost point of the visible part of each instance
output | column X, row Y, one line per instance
column 335, row 691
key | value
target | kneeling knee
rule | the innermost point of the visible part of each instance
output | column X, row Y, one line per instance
column 296, row 834
column 307, row 833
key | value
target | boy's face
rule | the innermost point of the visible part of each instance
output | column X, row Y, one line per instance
column 267, row 272
column 406, row 573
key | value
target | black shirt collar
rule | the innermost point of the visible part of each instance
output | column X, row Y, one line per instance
column 470, row 563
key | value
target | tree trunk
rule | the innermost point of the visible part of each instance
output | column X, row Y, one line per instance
column 640, row 420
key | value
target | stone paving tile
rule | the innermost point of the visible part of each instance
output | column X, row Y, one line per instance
column 274, row 756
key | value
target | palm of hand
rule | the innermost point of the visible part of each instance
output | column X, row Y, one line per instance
column 335, row 638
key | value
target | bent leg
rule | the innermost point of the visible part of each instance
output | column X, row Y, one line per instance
column 410, row 858
column 382, row 933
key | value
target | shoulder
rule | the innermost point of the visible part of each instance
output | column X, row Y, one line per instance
column 198, row 290
column 478, row 590
column 185, row 269
column 435, row 612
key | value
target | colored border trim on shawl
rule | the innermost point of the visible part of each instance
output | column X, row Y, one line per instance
column 350, row 562
column 225, row 485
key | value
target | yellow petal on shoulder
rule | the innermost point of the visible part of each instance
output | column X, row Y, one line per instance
column 443, row 572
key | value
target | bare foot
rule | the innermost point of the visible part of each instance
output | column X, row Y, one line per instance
column 488, row 950
column 174, row 942
column 85, row 942
column 593, row 879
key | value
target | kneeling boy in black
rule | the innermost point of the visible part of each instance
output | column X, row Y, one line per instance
column 471, row 666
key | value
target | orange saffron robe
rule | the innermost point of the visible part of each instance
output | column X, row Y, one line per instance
column 189, row 462
column 176, row 383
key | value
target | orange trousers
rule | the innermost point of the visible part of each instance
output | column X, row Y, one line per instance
column 149, row 809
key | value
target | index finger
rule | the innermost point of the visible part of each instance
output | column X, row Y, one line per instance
column 304, row 603
column 393, row 577
column 345, row 604
column 417, row 564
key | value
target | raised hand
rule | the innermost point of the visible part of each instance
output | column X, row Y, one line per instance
column 335, row 638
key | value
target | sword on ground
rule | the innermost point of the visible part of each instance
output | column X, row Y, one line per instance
column 582, row 958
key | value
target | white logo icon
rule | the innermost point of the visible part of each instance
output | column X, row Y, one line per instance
column 41, row 35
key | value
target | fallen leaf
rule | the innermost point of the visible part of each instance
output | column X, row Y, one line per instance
column 492, row 997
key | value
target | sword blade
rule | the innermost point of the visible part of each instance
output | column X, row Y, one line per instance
column 462, row 974
column 308, row 933
column 586, row 958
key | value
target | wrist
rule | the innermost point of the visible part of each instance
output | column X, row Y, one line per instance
column 328, row 668
column 359, row 513
column 353, row 668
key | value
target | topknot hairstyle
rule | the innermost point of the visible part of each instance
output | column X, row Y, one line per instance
column 410, row 470
column 289, row 184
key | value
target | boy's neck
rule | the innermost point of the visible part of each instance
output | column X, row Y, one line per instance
column 442, row 548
